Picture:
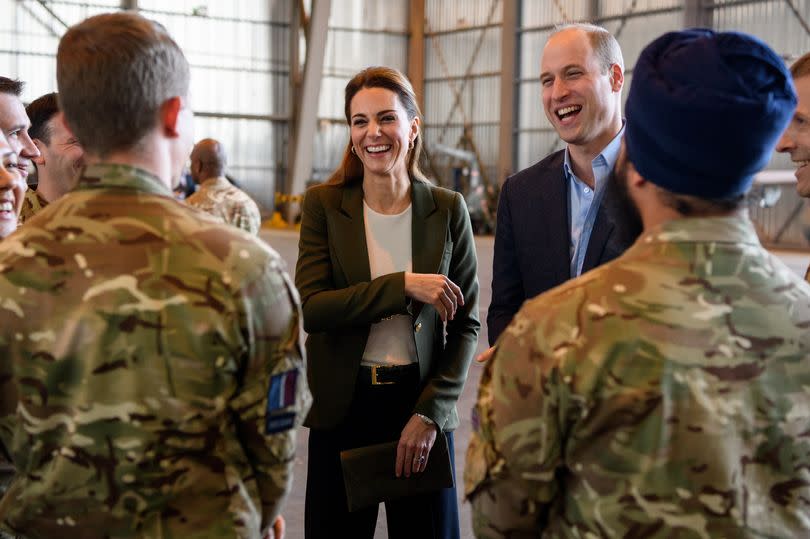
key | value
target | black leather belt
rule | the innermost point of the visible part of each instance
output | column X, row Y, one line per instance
column 379, row 375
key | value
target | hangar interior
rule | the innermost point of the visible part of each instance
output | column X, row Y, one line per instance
column 268, row 79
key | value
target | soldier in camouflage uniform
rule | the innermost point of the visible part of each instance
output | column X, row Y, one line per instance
column 796, row 138
column 32, row 204
column 60, row 155
column 667, row 393
column 14, row 124
column 216, row 195
column 152, row 374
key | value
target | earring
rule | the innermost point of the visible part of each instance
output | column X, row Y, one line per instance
column 353, row 150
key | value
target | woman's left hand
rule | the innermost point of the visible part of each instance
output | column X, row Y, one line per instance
column 414, row 446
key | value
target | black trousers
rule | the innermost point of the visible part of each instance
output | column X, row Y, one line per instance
column 377, row 414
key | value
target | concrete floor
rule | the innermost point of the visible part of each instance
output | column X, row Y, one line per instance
column 286, row 243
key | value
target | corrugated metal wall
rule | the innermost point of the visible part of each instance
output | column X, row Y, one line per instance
column 239, row 53
column 462, row 81
column 362, row 33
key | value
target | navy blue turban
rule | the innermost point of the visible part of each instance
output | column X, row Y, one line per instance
column 705, row 111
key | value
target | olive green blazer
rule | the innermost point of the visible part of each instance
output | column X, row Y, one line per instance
column 341, row 301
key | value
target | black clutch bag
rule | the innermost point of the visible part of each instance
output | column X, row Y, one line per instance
column 368, row 473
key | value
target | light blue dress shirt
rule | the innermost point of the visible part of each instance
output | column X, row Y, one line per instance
column 583, row 203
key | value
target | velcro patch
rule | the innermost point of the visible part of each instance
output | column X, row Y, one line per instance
column 281, row 396
column 281, row 393
column 279, row 423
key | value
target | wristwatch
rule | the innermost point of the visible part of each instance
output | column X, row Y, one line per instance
column 425, row 419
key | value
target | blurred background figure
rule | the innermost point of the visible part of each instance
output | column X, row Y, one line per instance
column 215, row 193
column 796, row 138
column 14, row 123
column 60, row 156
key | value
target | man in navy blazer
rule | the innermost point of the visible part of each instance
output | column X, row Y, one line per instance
column 552, row 218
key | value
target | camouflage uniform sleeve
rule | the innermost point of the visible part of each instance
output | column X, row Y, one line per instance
column 273, row 398
column 247, row 217
column 516, row 444
column 8, row 395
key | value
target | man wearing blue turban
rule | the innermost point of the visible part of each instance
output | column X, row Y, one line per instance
column 664, row 394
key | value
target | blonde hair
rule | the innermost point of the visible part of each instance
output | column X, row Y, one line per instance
column 801, row 67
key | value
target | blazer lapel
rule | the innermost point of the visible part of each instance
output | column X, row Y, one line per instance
column 428, row 230
column 602, row 228
column 556, row 232
column 349, row 236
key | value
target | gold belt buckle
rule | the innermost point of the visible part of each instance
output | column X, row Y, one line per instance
column 374, row 380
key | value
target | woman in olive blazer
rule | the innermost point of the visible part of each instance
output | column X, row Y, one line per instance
column 341, row 302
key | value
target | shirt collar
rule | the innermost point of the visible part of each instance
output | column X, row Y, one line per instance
column 733, row 229
column 607, row 157
column 122, row 177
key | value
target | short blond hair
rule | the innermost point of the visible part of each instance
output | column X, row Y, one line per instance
column 604, row 45
column 801, row 67
column 114, row 71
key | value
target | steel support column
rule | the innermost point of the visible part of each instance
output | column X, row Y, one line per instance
column 297, row 16
column 510, row 59
column 697, row 14
column 416, row 49
column 307, row 99
column 594, row 10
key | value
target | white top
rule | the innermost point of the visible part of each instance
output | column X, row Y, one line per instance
column 388, row 240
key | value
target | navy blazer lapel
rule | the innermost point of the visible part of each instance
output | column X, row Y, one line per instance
column 602, row 228
column 556, row 232
column 428, row 230
column 349, row 236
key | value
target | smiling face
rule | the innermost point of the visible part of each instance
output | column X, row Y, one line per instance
column 60, row 159
column 796, row 138
column 12, row 189
column 381, row 132
column 580, row 97
column 14, row 123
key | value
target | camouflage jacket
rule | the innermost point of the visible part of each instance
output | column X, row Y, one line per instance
column 32, row 204
column 152, row 374
column 218, row 197
column 665, row 394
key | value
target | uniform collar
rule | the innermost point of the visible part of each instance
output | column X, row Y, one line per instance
column 103, row 176
column 215, row 181
column 703, row 229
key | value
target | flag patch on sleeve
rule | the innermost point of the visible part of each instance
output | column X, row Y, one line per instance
column 279, row 423
column 280, row 396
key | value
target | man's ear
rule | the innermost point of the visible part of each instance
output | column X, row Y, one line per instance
column 40, row 159
column 616, row 77
column 169, row 114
